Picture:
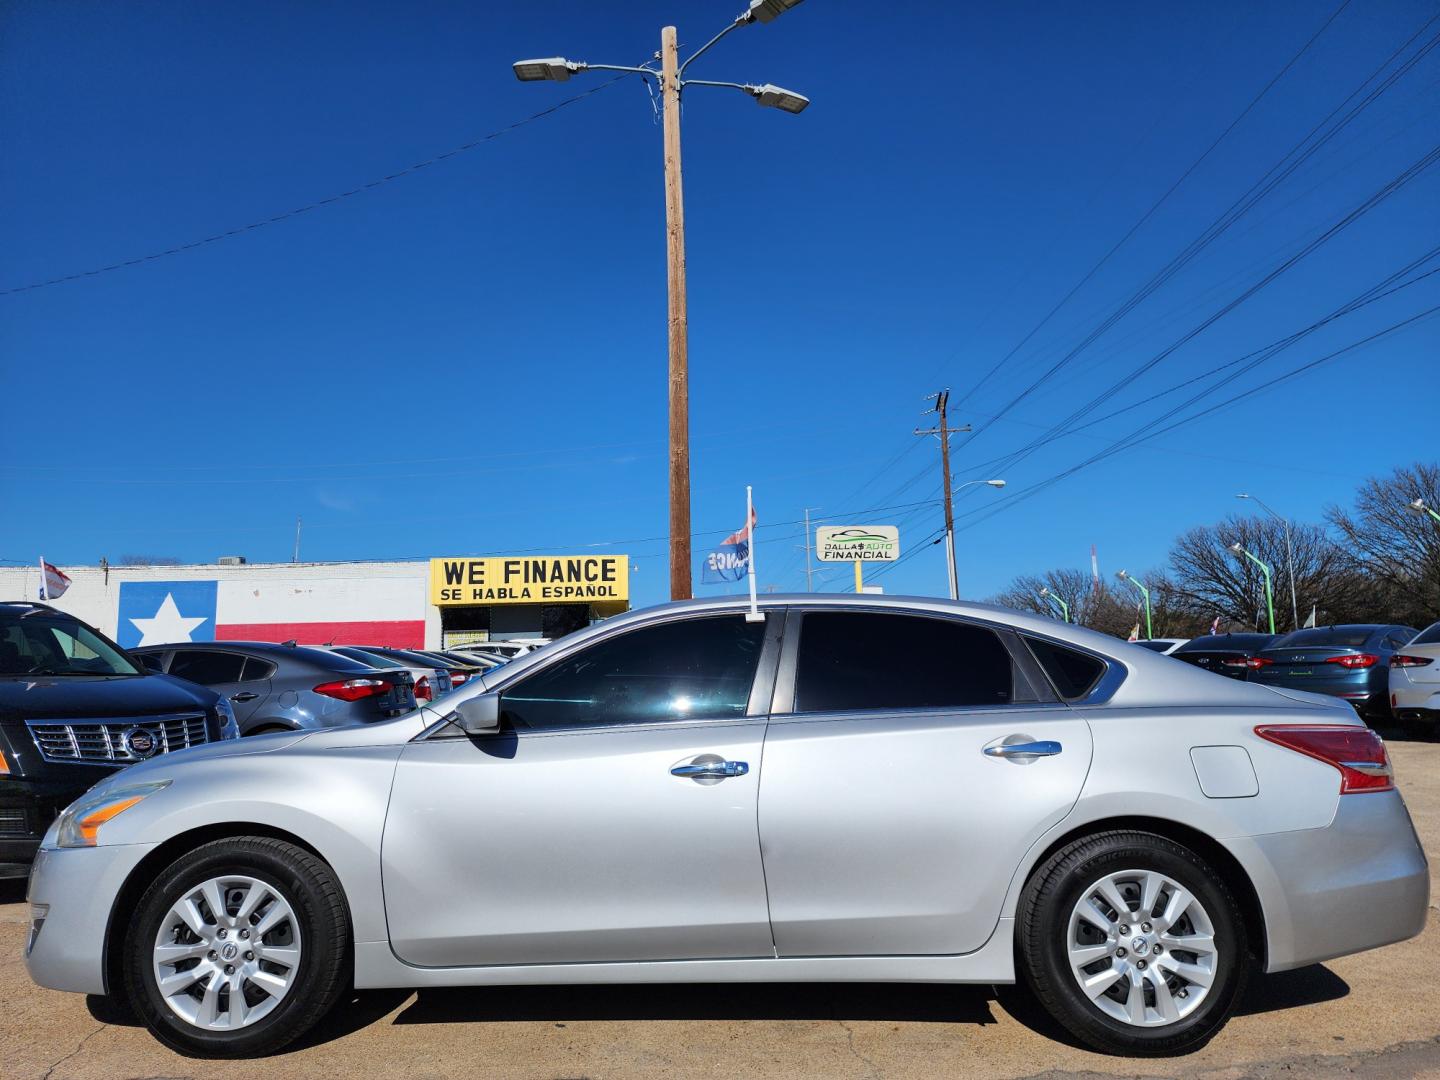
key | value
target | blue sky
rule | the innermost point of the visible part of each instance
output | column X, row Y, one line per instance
column 471, row 359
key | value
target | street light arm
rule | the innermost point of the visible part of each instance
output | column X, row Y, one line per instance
column 618, row 67
column 741, row 21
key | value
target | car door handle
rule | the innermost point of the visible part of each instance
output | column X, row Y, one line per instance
column 712, row 770
column 1040, row 748
column 244, row 695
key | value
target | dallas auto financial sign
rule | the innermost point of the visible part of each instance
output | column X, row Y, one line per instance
column 857, row 543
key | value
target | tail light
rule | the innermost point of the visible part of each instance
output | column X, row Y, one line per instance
column 1357, row 752
column 1356, row 660
column 456, row 678
column 1401, row 660
column 1251, row 662
column 354, row 689
column 422, row 688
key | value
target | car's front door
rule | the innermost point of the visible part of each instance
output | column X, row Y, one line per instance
column 894, row 811
column 599, row 824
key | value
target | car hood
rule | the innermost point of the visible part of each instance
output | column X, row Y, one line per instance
column 62, row 697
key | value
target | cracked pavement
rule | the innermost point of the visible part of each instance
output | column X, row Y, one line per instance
column 1368, row 1016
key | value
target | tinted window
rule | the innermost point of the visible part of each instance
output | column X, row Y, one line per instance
column 1429, row 636
column 872, row 660
column 45, row 642
column 153, row 661
column 1073, row 673
column 206, row 668
column 1340, row 636
column 694, row 669
column 256, row 669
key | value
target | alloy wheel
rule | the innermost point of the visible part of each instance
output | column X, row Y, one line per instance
column 227, row 952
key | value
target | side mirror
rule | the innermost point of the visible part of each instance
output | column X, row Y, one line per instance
column 479, row 715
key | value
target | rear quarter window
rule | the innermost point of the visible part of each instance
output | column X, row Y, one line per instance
column 1073, row 673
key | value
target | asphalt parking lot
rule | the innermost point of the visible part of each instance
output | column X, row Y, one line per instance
column 1377, row 1014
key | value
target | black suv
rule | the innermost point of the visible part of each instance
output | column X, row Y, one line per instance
column 74, row 707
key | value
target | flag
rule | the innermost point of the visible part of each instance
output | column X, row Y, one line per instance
column 53, row 583
column 387, row 612
column 1215, row 626
column 730, row 561
column 1311, row 621
column 1135, row 633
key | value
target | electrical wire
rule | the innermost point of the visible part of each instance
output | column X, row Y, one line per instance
column 409, row 170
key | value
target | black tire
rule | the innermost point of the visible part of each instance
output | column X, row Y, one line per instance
column 1043, row 929
column 313, row 894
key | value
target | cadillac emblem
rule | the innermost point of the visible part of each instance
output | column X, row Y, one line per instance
column 141, row 743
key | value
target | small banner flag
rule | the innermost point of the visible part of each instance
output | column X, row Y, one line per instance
column 1215, row 626
column 1135, row 633
column 730, row 561
column 1310, row 622
column 53, row 583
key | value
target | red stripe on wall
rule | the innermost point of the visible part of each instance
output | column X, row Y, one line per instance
column 395, row 635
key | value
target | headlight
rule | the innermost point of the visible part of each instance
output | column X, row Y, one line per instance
column 228, row 728
column 79, row 825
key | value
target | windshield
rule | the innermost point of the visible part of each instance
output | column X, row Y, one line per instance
column 47, row 643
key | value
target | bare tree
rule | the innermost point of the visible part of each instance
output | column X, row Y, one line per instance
column 1213, row 580
column 1395, row 549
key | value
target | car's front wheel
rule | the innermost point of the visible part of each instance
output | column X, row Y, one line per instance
column 237, row 948
column 1133, row 943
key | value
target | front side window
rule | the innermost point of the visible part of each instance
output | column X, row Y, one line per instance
column 851, row 660
column 692, row 669
column 206, row 668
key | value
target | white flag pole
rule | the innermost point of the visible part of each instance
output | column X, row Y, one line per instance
column 44, row 593
column 753, row 615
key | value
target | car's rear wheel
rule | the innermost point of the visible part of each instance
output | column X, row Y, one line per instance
column 237, row 948
column 1133, row 943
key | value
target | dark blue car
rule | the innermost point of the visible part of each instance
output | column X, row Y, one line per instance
column 1350, row 662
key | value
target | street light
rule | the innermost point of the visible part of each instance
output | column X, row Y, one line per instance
column 950, row 562
column 1238, row 549
column 1123, row 576
column 1046, row 594
column 1289, row 558
column 671, row 81
column 1420, row 506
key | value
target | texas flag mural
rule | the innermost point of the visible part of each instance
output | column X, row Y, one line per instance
column 369, row 612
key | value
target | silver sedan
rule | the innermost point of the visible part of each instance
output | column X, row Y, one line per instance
column 837, row 788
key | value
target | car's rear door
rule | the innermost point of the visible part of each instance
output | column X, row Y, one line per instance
column 599, row 824
column 892, row 816
column 252, row 689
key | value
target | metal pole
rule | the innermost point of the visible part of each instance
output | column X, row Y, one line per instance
column 809, row 573
column 949, row 496
column 1290, row 563
column 296, row 557
column 679, row 397
column 859, row 582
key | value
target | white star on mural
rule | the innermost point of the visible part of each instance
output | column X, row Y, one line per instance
column 167, row 626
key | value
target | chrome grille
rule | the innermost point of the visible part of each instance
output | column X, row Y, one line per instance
column 109, row 742
column 12, row 822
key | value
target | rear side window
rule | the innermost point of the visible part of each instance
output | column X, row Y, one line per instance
column 871, row 660
column 257, row 669
column 153, row 661
column 207, row 668
column 1429, row 636
column 1074, row 673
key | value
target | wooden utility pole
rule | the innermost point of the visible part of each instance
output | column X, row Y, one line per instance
column 944, row 431
column 680, row 587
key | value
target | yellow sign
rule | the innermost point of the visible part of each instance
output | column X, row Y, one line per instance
column 543, row 579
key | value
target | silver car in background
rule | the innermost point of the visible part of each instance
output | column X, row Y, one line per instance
column 952, row 793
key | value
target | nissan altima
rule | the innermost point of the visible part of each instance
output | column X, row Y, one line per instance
column 826, row 789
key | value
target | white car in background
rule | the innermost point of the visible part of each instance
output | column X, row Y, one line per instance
column 1415, row 683
column 1162, row 645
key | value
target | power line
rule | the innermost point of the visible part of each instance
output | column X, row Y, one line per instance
column 1253, row 196
column 1154, row 207
column 287, row 215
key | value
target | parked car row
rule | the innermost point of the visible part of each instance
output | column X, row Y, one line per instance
column 1385, row 671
